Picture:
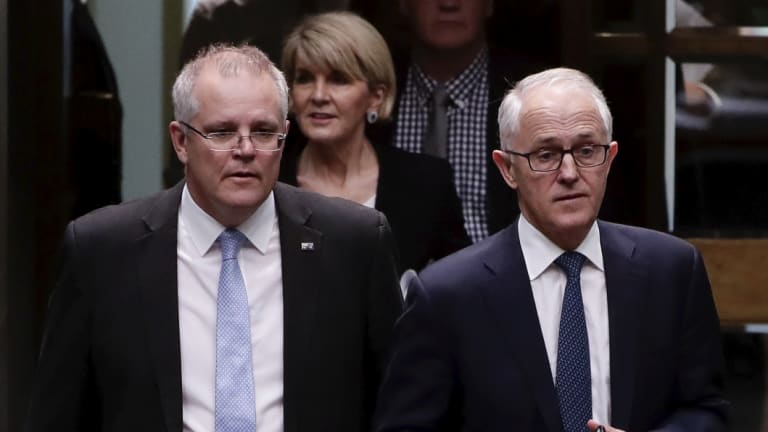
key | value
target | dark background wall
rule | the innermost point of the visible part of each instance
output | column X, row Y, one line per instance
column 4, row 332
column 33, row 187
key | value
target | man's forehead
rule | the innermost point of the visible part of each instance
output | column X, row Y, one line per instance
column 553, row 101
column 225, row 67
column 548, row 111
column 213, row 76
column 213, row 89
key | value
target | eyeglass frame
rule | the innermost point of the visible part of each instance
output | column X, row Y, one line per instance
column 280, row 138
column 562, row 152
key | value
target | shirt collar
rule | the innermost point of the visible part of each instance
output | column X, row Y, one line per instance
column 459, row 88
column 540, row 252
column 205, row 230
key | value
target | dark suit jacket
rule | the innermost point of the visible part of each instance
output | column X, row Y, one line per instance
column 504, row 70
column 469, row 354
column 110, row 359
column 417, row 194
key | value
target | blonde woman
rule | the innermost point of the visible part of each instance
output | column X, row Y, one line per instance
column 342, row 85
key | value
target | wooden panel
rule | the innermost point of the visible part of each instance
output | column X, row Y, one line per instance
column 717, row 44
column 687, row 44
column 621, row 45
column 738, row 270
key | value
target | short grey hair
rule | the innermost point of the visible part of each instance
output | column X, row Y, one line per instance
column 511, row 106
column 230, row 61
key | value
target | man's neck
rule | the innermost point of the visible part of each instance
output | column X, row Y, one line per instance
column 445, row 65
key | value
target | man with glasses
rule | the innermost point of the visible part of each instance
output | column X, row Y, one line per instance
column 560, row 322
column 229, row 302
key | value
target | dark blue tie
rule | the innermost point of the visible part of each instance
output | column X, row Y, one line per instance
column 235, row 400
column 573, row 381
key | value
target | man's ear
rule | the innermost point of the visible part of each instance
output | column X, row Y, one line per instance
column 505, row 167
column 613, row 150
column 179, row 140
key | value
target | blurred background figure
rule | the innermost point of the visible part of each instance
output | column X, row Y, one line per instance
column 451, row 84
column 95, row 114
column 343, row 87
column 695, row 96
column 261, row 23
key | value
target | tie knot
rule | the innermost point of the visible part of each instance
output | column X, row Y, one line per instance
column 440, row 96
column 230, row 241
column 571, row 263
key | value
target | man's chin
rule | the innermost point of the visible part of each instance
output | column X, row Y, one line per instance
column 245, row 200
column 574, row 225
column 450, row 41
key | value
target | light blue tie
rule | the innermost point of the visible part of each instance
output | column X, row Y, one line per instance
column 573, row 381
column 235, row 400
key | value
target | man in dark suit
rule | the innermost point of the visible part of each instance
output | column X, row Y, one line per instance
column 559, row 322
column 160, row 322
column 448, row 50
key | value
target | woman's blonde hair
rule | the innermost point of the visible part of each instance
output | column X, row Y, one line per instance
column 343, row 42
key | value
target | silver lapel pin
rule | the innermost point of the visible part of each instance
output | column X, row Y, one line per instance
column 307, row 246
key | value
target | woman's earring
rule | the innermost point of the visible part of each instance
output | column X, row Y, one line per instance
column 371, row 116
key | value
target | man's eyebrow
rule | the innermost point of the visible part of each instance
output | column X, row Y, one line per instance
column 219, row 126
column 264, row 124
column 546, row 141
column 227, row 125
column 550, row 141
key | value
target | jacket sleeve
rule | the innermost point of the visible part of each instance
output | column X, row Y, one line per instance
column 700, row 405
column 418, row 392
column 385, row 305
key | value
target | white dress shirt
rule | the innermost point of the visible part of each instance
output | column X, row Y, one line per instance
column 548, row 285
column 199, row 264
column 370, row 202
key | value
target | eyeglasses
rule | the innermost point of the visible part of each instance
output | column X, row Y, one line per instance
column 229, row 141
column 550, row 159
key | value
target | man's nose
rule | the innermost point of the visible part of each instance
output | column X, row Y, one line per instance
column 569, row 171
column 245, row 146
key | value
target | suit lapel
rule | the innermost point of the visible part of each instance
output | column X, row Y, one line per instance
column 302, row 252
column 157, row 275
column 509, row 298
column 624, row 286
